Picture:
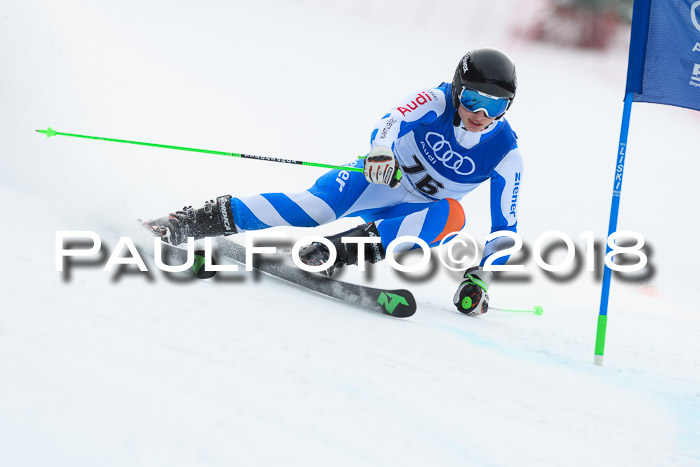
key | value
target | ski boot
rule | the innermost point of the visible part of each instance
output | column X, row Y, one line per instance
column 213, row 220
column 317, row 253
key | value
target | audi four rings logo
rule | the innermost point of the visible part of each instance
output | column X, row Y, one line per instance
column 694, row 14
column 444, row 153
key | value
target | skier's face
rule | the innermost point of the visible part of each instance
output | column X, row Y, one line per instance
column 474, row 121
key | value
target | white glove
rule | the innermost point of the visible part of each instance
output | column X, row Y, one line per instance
column 382, row 167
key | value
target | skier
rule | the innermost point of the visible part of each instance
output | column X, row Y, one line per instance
column 426, row 153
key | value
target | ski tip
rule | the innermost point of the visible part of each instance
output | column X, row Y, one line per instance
column 199, row 269
column 397, row 303
column 49, row 132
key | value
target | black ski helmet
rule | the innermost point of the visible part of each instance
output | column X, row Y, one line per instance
column 487, row 70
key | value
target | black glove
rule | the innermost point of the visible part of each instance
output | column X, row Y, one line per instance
column 472, row 296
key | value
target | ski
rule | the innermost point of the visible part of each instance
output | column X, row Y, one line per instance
column 398, row 303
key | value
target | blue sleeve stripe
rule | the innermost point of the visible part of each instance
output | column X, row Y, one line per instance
column 498, row 261
column 512, row 228
column 289, row 210
column 244, row 217
column 504, row 259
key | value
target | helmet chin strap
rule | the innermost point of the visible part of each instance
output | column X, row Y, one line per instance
column 456, row 119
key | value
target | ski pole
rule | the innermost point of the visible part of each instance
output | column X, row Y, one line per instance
column 538, row 310
column 51, row 132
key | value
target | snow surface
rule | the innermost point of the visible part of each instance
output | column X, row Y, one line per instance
column 134, row 369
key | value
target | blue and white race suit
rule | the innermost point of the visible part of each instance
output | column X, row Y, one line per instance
column 440, row 162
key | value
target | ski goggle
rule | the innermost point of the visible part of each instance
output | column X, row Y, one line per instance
column 474, row 100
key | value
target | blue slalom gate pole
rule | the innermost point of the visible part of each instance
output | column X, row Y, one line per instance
column 612, row 227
